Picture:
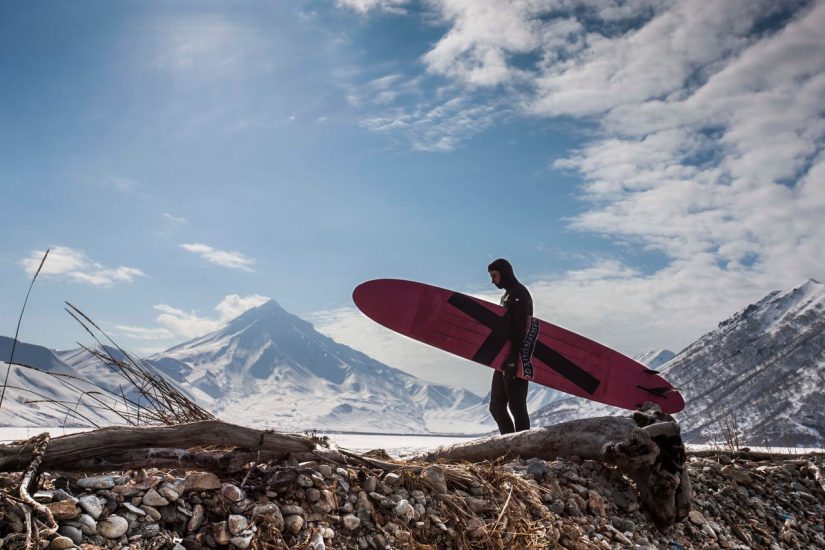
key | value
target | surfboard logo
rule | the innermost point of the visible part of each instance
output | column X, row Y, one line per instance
column 527, row 349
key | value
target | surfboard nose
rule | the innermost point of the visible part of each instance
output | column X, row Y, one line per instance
column 389, row 302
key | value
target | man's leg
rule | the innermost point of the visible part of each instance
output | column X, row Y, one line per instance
column 498, row 404
column 516, row 389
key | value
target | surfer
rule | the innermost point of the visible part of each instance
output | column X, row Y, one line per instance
column 507, row 389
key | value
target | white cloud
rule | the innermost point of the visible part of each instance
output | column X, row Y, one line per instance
column 436, row 128
column 75, row 265
column 174, row 219
column 175, row 324
column 365, row 6
column 233, row 305
column 233, row 260
column 121, row 184
column 144, row 333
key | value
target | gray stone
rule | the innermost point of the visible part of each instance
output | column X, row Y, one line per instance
column 87, row 524
column 134, row 509
column 537, row 469
column 232, row 493
column 403, row 510
column 237, row 523
column 293, row 523
column 151, row 512
column 113, row 527
column 63, row 510
column 169, row 493
column 72, row 532
column 201, row 481
column 273, row 511
column 61, row 543
column 433, row 476
column 696, row 517
column 148, row 530
column 351, row 523
column 370, row 484
column 241, row 542
column 96, row 482
column 91, row 505
column 292, row 510
column 152, row 498
column 198, row 513
column 220, row 532
column 623, row 525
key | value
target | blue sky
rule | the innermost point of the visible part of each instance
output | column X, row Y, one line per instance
column 648, row 166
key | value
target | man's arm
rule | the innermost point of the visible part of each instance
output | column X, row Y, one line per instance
column 518, row 307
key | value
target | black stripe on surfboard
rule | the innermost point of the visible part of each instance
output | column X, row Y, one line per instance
column 566, row 368
column 498, row 338
column 658, row 392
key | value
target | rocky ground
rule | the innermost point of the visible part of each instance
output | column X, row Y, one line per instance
column 739, row 501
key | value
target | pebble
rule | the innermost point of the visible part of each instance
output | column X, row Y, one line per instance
column 61, row 543
column 91, row 505
column 71, row 532
column 113, row 527
column 201, row 481
column 351, row 523
column 63, row 510
column 237, row 523
column 96, row 482
column 242, row 542
column 220, row 532
column 153, row 498
column 293, row 523
column 198, row 513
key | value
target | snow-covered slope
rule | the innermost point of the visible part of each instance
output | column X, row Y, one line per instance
column 52, row 394
column 655, row 358
column 272, row 369
column 764, row 366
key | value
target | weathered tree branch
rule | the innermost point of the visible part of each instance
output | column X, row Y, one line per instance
column 116, row 445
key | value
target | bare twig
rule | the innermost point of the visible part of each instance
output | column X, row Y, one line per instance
column 19, row 321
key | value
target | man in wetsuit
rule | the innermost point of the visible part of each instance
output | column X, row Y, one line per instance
column 507, row 389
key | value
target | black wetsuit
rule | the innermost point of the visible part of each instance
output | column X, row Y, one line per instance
column 509, row 391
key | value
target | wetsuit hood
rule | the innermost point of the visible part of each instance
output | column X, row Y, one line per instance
column 508, row 278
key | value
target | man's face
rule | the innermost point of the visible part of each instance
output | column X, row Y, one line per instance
column 495, row 278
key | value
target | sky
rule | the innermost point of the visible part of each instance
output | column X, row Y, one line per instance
column 648, row 166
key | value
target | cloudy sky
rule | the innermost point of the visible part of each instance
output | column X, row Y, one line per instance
column 649, row 166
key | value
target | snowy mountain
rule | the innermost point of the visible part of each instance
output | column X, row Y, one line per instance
column 655, row 358
column 763, row 367
column 52, row 394
column 269, row 368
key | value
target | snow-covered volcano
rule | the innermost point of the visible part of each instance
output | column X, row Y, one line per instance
column 270, row 368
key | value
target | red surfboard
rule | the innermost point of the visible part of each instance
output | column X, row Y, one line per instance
column 479, row 331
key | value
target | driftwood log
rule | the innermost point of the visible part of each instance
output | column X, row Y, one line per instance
column 646, row 447
column 209, row 445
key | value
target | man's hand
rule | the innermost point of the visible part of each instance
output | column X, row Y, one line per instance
column 510, row 366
